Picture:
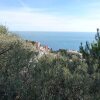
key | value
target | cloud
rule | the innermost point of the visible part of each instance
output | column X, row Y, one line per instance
column 24, row 20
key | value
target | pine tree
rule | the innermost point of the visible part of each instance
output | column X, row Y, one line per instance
column 91, row 52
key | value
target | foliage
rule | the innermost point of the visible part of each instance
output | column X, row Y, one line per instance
column 91, row 54
column 63, row 52
column 55, row 80
column 3, row 29
column 15, row 56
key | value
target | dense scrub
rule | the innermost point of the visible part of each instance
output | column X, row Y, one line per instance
column 15, row 56
column 23, row 77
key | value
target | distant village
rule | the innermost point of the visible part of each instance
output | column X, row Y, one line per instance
column 44, row 49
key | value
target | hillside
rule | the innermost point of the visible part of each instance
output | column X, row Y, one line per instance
column 31, row 71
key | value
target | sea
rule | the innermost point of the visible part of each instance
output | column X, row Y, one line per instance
column 59, row 40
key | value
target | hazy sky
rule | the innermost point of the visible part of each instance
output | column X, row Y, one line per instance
column 50, row 15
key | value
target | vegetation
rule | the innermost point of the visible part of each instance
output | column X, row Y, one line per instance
column 25, row 77
column 3, row 30
column 15, row 57
column 91, row 54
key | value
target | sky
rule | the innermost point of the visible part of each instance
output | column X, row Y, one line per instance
column 50, row 15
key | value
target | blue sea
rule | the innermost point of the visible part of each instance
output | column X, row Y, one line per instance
column 59, row 40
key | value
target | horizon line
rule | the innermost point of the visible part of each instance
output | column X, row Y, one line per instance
column 49, row 31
